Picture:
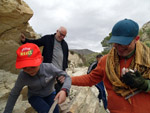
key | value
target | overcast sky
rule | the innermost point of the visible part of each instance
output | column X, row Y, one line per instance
column 88, row 21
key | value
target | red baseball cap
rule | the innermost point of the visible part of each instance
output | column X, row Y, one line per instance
column 28, row 55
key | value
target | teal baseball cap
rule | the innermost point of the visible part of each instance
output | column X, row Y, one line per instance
column 124, row 32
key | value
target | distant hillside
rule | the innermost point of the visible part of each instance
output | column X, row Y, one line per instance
column 82, row 51
column 86, row 55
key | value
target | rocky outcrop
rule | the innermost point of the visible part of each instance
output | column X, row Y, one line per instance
column 14, row 17
column 74, row 61
column 85, row 100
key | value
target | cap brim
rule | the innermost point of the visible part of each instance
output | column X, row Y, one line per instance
column 28, row 63
column 121, row 40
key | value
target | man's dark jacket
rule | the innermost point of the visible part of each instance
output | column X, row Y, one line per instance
column 47, row 42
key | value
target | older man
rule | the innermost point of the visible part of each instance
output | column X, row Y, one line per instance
column 55, row 48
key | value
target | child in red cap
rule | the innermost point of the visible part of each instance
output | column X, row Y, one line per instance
column 39, row 78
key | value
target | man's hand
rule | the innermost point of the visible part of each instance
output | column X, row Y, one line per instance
column 22, row 37
column 61, row 78
column 135, row 80
column 61, row 96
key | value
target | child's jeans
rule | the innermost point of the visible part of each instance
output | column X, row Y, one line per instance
column 43, row 104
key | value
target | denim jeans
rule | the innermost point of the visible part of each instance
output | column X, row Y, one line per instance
column 43, row 104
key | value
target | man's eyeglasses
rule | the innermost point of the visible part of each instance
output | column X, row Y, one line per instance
column 62, row 34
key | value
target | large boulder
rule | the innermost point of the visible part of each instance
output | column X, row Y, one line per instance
column 14, row 17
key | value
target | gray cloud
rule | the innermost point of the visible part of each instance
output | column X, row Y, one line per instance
column 88, row 21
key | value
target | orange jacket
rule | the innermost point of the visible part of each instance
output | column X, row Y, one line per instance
column 140, row 103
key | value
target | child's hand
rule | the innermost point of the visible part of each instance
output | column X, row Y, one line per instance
column 61, row 96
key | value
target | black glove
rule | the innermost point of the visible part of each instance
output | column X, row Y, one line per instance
column 135, row 80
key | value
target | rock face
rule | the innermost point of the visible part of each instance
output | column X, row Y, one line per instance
column 84, row 99
column 14, row 17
